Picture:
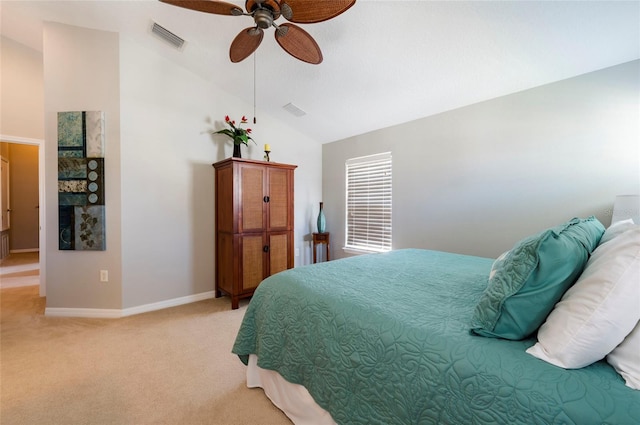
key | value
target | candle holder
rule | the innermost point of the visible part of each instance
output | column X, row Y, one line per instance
column 266, row 155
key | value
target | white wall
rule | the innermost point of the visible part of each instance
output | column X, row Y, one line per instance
column 22, row 116
column 477, row 179
column 22, row 84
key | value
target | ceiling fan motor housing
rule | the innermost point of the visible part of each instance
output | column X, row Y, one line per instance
column 264, row 12
column 263, row 18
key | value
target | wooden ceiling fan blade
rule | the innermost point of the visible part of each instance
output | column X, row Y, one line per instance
column 311, row 11
column 298, row 43
column 209, row 6
column 245, row 43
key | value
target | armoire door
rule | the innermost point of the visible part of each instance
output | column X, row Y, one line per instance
column 280, row 208
column 252, row 253
column 279, row 246
column 252, row 198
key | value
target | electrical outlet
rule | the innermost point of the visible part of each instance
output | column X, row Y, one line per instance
column 297, row 252
column 104, row 275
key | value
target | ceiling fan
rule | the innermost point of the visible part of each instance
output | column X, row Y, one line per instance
column 293, row 39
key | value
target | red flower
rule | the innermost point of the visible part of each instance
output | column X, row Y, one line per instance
column 238, row 134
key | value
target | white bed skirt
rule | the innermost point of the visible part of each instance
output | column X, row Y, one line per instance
column 293, row 399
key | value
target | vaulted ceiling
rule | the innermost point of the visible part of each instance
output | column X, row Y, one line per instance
column 385, row 62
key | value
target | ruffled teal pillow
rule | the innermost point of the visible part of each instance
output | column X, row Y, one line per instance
column 526, row 282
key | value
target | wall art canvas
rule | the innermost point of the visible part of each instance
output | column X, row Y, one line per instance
column 81, row 206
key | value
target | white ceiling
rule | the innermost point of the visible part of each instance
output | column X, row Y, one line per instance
column 385, row 62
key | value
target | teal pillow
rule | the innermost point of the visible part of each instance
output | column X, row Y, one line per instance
column 527, row 281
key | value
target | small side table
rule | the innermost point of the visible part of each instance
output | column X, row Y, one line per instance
column 320, row 239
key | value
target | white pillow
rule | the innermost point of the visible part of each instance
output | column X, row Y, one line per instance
column 599, row 311
column 626, row 358
column 616, row 229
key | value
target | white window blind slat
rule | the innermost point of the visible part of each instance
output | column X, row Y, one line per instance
column 368, row 221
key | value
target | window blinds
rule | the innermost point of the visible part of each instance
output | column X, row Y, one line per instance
column 368, row 203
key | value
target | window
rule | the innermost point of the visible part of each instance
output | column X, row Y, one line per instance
column 368, row 221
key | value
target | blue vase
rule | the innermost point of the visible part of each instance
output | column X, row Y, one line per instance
column 322, row 223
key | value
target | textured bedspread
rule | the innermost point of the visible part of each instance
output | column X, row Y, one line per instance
column 384, row 339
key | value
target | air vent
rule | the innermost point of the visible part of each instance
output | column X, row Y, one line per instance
column 167, row 36
column 293, row 109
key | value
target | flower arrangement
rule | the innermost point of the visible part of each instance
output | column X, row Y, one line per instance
column 238, row 134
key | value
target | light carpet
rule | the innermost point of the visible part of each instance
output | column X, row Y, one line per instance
column 20, row 269
column 172, row 366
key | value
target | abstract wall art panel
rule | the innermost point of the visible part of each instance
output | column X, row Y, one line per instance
column 94, row 127
column 72, row 168
column 81, row 206
column 70, row 130
column 89, row 227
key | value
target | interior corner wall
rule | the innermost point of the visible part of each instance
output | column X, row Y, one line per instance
column 81, row 73
column 477, row 179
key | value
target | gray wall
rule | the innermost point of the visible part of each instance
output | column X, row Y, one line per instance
column 168, row 179
column 472, row 180
column 82, row 74
column 159, row 178
column 477, row 179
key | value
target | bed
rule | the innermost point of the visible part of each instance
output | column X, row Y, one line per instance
column 385, row 339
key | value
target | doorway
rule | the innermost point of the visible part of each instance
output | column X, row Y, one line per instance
column 31, row 209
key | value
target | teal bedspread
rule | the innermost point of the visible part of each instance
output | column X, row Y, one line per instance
column 384, row 339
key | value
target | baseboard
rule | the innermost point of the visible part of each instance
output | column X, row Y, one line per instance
column 108, row 313
column 90, row 313
column 168, row 303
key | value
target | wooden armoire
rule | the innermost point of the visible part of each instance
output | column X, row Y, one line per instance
column 254, row 224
